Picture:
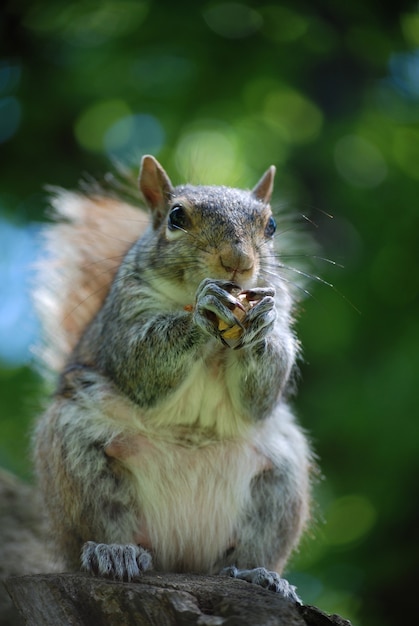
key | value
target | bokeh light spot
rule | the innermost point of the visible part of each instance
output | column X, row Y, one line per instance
column 10, row 114
column 406, row 151
column 281, row 24
column 9, row 76
column 359, row 162
column 404, row 74
column 18, row 325
column 132, row 136
column 87, row 23
column 209, row 155
column 410, row 28
column 349, row 519
column 260, row 143
column 93, row 123
column 294, row 117
column 233, row 20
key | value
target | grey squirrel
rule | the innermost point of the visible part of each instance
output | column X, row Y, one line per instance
column 168, row 442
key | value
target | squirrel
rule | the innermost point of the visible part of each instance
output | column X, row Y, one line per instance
column 169, row 442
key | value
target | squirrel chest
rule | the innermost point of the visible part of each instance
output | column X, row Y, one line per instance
column 193, row 471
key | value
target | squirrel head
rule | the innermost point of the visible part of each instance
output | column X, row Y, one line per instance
column 208, row 231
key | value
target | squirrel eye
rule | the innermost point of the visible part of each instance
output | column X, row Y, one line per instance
column 270, row 227
column 178, row 219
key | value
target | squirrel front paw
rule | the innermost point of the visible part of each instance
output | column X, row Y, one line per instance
column 124, row 562
column 260, row 316
column 214, row 306
column 237, row 318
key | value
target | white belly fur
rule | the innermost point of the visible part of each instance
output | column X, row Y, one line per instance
column 191, row 499
column 193, row 460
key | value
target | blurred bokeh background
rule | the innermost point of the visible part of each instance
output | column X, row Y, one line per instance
column 218, row 91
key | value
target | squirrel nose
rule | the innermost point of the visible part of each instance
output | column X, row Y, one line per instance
column 236, row 260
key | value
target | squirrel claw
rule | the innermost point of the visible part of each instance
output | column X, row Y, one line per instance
column 124, row 562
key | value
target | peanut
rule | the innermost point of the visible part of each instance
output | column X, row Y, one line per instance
column 235, row 331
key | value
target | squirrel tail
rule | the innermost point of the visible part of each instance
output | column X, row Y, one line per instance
column 84, row 247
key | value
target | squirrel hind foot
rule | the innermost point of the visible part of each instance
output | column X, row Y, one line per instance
column 266, row 579
column 123, row 562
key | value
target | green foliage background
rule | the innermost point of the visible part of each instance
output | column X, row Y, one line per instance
column 329, row 93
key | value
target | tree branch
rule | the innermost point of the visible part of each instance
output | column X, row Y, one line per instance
column 169, row 599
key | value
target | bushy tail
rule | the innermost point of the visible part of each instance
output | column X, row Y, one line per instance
column 83, row 250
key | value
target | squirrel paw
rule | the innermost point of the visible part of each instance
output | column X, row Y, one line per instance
column 260, row 318
column 215, row 303
column 266, row 579
column 116, row 561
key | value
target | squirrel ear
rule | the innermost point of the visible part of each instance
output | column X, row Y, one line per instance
column 263, row 190
column 155, row 186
